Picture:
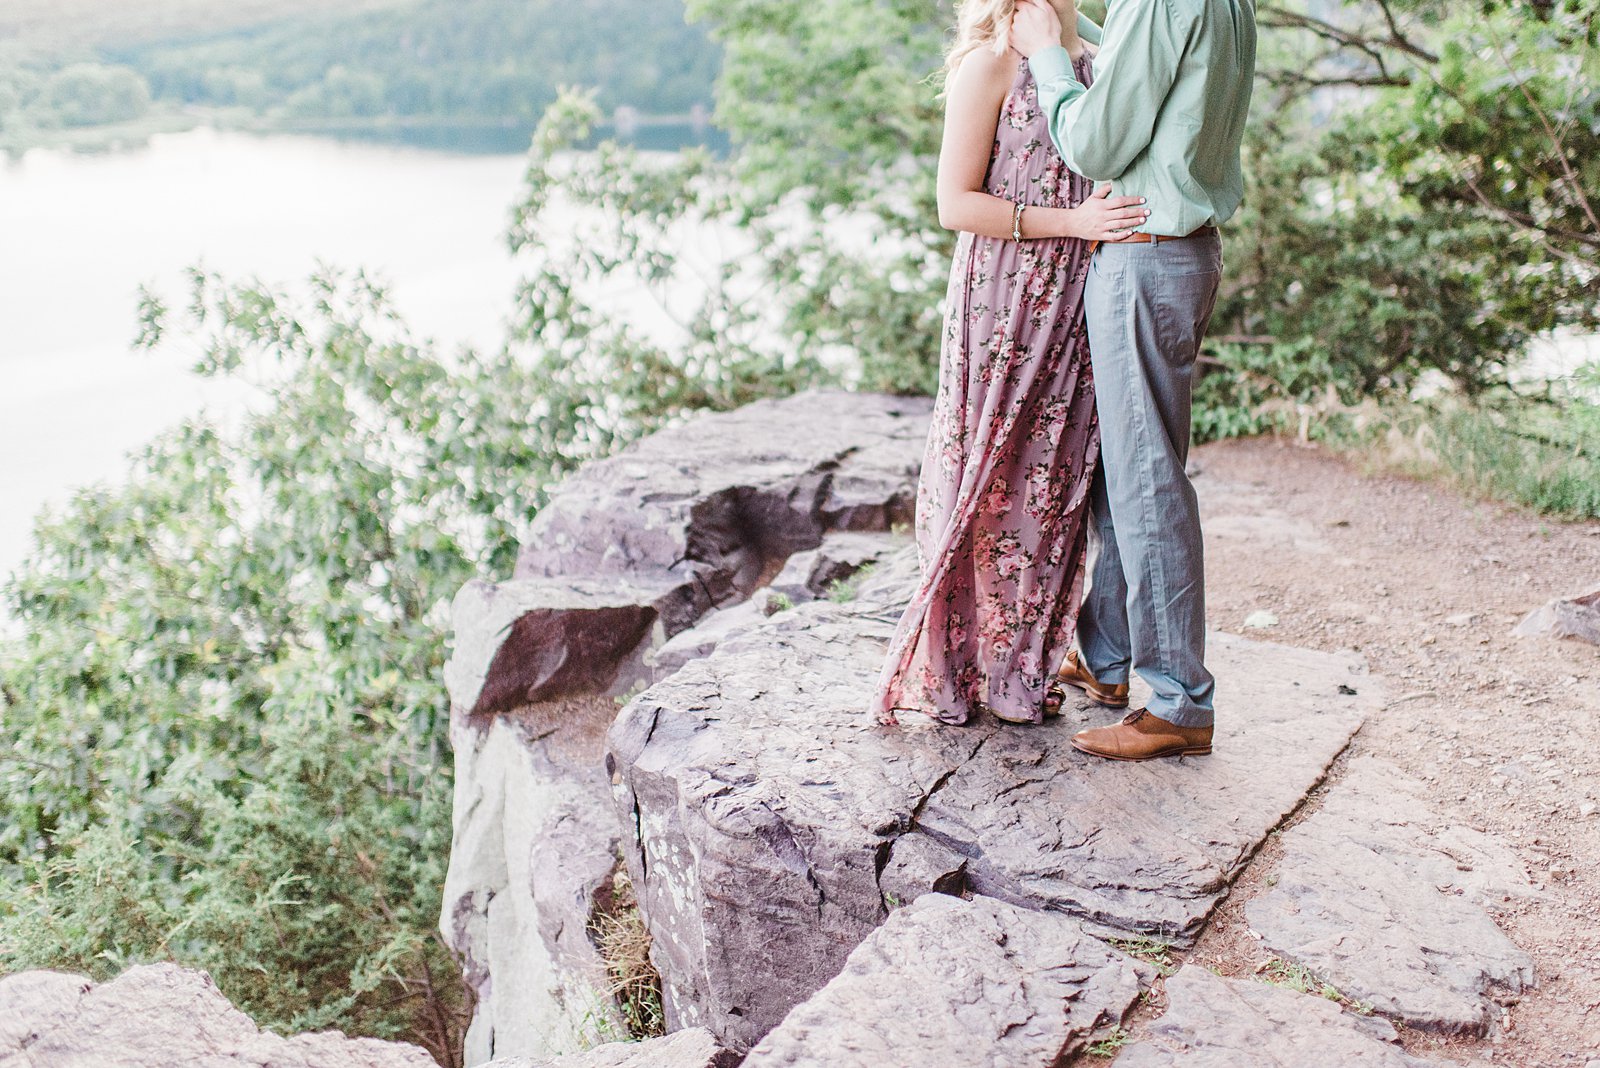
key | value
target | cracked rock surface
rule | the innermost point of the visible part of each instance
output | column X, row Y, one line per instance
column 159, row 1015
column 1150, row 847
column 1383, row 899
column 1213, row 1022
column 1016, row 988
column 770, row 824
column 757, row 806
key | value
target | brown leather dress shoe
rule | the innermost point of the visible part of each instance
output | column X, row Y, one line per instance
column 1142, row 736
column 1074, row 673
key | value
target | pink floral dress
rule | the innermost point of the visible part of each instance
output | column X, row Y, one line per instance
column 1002, row 501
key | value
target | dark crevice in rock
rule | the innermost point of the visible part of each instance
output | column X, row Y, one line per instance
column 617, row 932
column 739, row 529
column 1310, row 799
column 638, row 836
column 655, row 721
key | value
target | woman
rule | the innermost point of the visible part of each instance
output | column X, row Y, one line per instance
column 1002, row 502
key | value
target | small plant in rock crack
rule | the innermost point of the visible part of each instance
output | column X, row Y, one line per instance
column 1152, row 951
column 598, row 1026
column 1298, row 977
column 841, row 590
column 619, row 933
column 1111, row 1044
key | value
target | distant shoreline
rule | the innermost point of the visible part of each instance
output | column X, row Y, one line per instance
column 483, row 135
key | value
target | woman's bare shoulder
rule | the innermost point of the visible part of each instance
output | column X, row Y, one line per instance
column 983, row 69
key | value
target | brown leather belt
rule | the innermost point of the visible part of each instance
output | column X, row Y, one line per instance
column 1158, row 238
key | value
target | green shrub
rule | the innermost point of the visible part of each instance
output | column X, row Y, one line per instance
column 1541, row 451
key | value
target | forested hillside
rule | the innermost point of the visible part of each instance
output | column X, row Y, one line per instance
column 443, row 58
column 375, row 64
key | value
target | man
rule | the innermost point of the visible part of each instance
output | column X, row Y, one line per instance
column 1163, row 119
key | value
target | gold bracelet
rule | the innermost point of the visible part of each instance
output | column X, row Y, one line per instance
column 1016, row 221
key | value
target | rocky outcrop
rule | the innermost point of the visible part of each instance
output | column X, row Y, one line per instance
column 675, row 530
column 733, row 583
column 1380, row 897
column 1577, row 618
column 692, row 1048
column 157, row 1016
column 633, row 548
column 1211, row 1022
column 1026, row 988
column 769, row 825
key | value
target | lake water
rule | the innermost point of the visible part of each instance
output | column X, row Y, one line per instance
column 80, row 233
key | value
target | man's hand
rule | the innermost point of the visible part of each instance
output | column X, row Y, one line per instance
column 1034, row 26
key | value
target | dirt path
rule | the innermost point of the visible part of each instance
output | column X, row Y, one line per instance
column 1427, row 586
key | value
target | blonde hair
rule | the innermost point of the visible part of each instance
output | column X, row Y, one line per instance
column 979, row 24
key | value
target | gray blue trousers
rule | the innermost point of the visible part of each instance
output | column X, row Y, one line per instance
column 1147, row 306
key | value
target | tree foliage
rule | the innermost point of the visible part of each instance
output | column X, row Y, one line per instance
column 225, row 736
column 1421, row 185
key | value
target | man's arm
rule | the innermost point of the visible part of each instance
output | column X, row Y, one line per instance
column 1088, row 29
column 1102, row 129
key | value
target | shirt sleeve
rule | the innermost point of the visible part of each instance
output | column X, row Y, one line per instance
column 1099, row 131
column 1088, row 29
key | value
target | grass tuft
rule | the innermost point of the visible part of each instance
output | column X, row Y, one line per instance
column 619, row 933
column 1299, row 978
column 1152, row 951
column 1110, row 1045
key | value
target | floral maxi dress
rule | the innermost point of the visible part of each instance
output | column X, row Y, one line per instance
column 1002, row 501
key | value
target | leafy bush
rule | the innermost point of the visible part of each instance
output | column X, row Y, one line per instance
column 225, row 739
column 1537, row 449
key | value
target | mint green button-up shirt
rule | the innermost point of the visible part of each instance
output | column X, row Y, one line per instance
column 1166, row 113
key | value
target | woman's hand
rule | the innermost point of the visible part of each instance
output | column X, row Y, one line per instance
column 1105, row 218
